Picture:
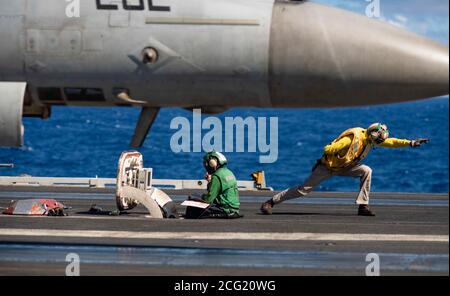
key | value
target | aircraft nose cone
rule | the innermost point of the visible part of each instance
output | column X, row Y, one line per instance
column 323, row 56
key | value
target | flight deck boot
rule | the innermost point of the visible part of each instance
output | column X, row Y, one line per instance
column 266, row 208
column 364, row 210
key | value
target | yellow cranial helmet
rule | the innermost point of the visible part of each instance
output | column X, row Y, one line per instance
column 378, row 132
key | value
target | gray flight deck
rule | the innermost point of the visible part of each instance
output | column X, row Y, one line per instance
column 319, row 235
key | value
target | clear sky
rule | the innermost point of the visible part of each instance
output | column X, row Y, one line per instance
column 429, row 18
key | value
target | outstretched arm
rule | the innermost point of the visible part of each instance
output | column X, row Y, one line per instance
column 400, row 143
column 395, row 143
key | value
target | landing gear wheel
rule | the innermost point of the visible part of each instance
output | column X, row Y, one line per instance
column 170, row 210
column 125, row 204
column 128, row 161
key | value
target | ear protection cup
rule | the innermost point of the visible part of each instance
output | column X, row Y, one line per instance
column 213, row 163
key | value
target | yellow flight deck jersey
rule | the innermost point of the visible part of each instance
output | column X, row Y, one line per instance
column 352, row 146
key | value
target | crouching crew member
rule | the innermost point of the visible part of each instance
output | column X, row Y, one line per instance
column 343, row 158
column 223, row 195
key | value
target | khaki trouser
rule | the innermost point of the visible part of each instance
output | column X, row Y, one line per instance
column 321, row 173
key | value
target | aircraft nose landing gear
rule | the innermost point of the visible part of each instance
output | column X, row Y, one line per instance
column 134, row 187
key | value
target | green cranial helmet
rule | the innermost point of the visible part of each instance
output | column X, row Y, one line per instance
column 213, row 160
column 219, row 156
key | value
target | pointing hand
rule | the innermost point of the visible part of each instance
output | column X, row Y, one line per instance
column 418, row 142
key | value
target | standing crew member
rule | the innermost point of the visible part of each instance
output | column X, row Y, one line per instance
column 342, row 158
column 223, row 195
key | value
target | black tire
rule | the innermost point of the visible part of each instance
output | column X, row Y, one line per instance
column 170, row 211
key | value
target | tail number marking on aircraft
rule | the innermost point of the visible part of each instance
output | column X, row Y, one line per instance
column 127, row 6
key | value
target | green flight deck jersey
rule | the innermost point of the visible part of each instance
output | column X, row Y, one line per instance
column 223, row 191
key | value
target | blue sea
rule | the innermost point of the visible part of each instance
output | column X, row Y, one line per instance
column 87, row 142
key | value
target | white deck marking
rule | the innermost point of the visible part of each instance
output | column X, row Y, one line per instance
column 300, row 236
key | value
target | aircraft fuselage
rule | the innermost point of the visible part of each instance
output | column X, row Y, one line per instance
column 209, row 54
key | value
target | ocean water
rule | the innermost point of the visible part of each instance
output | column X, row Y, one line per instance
column 87, row 142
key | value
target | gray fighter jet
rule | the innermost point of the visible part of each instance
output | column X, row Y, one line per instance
column 208, row 54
